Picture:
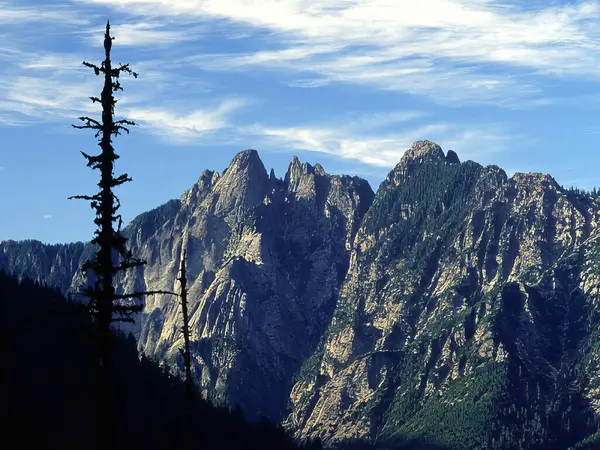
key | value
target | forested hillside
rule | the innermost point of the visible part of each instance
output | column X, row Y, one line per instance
column 47, row 382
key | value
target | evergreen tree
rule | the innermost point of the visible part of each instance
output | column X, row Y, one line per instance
column 112, row 257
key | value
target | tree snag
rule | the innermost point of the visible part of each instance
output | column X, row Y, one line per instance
column 112, row 257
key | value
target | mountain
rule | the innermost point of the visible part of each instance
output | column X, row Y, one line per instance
column 456, row 307
column 468, row 316
column 266, row 258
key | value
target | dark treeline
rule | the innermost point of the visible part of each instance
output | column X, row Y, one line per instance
column 583, row 193
column 47, row 387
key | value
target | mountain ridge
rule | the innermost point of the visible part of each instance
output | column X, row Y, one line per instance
column 357, row 316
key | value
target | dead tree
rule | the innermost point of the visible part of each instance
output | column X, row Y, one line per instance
column 112, row 257
column 185, row 351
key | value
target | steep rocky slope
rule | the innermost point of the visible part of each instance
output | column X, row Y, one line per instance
column 266, row 258
column 467, row 318
column 456, row 307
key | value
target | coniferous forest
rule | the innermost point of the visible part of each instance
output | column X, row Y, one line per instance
column 48, row 384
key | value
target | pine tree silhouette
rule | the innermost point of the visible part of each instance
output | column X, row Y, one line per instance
column 112, row 257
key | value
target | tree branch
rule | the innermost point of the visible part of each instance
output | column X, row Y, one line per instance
column 89, row 123
column 97, row 69
column 84, row 197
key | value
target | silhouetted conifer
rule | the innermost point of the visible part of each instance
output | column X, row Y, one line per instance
column 106, row 306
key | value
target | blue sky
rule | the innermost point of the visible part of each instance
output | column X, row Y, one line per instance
column 347, row 83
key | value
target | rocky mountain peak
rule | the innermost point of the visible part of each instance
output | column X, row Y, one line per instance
column 243, row 184
column 534, row 180
column 297, row 169
column 452, row 157
column 455, row 268
column 424, row 149
column 300, row 177
column 420, row 152
column 201, row 189
column 246, row 160
column 319, row 169
column 208, row 179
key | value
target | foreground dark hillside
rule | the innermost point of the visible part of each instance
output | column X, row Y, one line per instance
column 47, row 386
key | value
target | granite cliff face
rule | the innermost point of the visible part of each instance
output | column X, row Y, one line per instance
column 456, row 307
column 266, row 258
column 467, row 318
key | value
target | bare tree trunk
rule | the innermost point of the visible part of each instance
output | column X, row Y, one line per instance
column 104, row 303
column 186, row 327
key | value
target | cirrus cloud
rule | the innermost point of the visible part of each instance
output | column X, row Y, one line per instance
column 419, row 48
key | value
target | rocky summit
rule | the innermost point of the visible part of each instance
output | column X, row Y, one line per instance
column 455, row 308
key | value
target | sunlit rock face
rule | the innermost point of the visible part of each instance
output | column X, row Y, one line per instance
column 266, row 259
column 469, row 294
column 457, row 306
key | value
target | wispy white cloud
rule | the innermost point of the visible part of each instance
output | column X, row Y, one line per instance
column 482, row 143
column 45, row 99
column 359, row 137
column 59, row 67
column 378, row 120
column 151, row 33
column 449, row 50
column 29, row 99
column 383, row 149
column 185, row 126
column 9, row 118
column 58, row 14
column 52, row 61
column 439, row 80
column 47, row 216
column 55, row 87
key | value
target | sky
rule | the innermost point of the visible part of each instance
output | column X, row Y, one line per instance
column 350, row 84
